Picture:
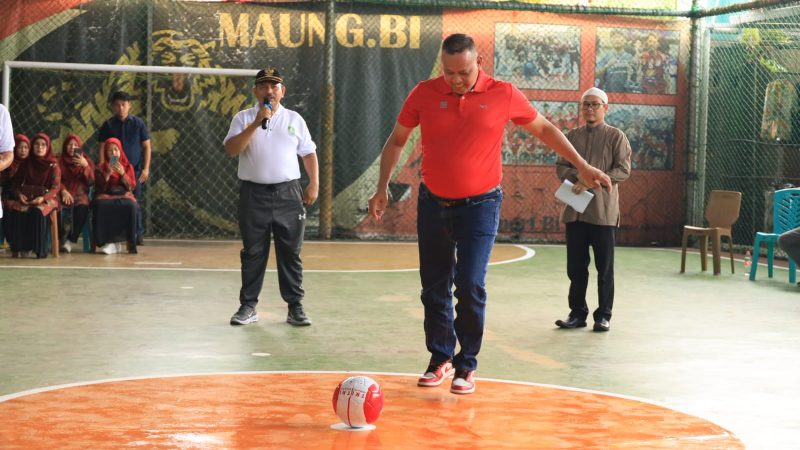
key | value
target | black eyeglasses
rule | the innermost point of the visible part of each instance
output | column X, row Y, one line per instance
column 593, row 105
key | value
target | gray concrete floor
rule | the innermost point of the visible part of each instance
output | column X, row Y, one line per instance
column 719, row 347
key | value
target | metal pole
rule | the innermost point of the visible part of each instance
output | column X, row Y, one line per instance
column 698, row 103
column 328, row 126
column 524, row 5
column 6, row 80
column 741, row 7
column 702, row 123
column 149, row 106
column 131, row 68
column 691, row 149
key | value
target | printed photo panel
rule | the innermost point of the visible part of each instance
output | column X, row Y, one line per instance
column 523, row 149
column 538, row 56
column 637, row 60
column 651, row 132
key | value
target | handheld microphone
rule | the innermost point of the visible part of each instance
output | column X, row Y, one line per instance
column 265, row 121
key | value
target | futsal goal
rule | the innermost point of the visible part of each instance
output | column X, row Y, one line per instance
column 193, row 188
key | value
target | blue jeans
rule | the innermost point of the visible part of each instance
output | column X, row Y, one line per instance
column 455, row 242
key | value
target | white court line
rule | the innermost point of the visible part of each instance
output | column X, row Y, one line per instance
column 230, row 241
column 178, row 269
column 35, row 391
column 177, row 263
column 529, row 253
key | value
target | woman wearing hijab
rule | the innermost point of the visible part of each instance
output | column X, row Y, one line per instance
column 22, row 149
column 36, row 185
column 114, row 213
column 77, row 175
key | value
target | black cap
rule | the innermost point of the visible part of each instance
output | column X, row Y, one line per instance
column 268, row 75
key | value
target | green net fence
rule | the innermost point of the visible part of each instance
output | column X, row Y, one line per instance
column 348, row 66
column 753, row 126
column 193, row 189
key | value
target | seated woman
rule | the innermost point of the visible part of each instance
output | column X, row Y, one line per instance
column 22, row 148
column 114, row 206
column 77, row 175
column 35, row 187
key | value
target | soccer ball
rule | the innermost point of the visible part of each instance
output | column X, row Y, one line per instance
column 358, row 401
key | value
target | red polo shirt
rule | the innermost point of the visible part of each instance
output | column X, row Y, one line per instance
column 462, row 135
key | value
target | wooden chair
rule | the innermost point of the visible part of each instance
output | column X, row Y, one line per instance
column 722, row 211
column 54, row 232
column 786, row 216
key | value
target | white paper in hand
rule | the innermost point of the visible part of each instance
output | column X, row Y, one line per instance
column 578, row 202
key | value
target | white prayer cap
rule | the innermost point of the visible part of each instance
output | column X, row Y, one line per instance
column 596, row 92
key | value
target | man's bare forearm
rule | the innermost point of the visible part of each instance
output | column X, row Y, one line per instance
column 5, row 160
column 237, row 144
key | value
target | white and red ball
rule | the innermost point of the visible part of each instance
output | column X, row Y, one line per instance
column 358, row 401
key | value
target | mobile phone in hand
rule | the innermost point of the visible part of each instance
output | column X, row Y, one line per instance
column 114, row 159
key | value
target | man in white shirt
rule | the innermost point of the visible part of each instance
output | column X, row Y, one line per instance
column 268, row 138
column 6, row 142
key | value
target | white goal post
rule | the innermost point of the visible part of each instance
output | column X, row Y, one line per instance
column 8, row 66
column 183, row 148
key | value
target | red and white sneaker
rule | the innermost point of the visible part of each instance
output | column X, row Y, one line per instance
column 463, row 382
column 436, row 374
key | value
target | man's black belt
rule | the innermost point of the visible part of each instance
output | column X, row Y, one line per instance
column 452, row 202
column 271, row 187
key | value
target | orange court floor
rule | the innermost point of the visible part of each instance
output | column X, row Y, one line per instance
column 114, row 351
column 292, row 410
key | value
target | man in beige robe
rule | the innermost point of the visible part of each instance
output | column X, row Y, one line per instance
column 608, row 149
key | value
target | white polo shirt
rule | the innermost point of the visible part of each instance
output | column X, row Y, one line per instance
column 6, row 136
column 271, row 154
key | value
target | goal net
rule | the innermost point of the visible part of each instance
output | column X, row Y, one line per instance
column 193, row 189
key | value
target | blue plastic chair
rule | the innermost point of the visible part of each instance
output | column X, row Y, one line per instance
column 86, row 234
column 786, row 216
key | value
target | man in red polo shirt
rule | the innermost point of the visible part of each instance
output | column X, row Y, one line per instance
column 462, row 115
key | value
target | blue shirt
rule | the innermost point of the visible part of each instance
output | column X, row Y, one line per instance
column 132, row 132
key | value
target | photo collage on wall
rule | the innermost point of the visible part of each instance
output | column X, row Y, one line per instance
column 520, row 148
column 537, row 56
column 650, row 130
column 627, row 61
column 637, row 61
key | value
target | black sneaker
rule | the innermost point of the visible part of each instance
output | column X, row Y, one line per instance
column 297, row 316
column 244, row 315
